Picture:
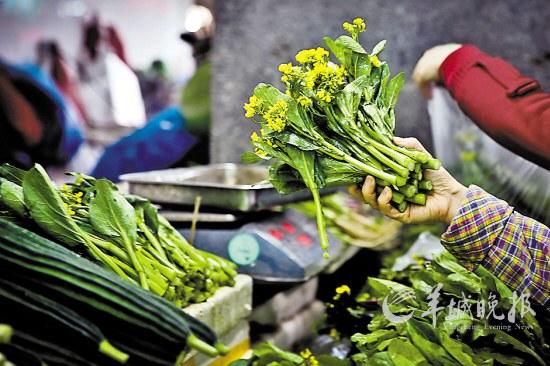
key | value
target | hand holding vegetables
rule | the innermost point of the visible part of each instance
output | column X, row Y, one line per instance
column 333, row 125
column 441, row 205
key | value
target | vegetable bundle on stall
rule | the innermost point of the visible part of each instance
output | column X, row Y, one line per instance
column 62, row 309
column 124, row 233
column 334, row 124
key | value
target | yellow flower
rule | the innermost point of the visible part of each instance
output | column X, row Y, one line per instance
column 357, row 27
column 260, row 153
column 324, row 96
column 312, row 361
column 306, row 353
column 251, row 107
column 288, row 92
column 348, row 27
column 254, row 137
column 284, row 78
column 304, row 101
column 70, row 211
column 311, row 55
column 285, row 68
column 334, row 333
column 276, row 116
column 360, row 24
column 375, row 61
column 344, row 289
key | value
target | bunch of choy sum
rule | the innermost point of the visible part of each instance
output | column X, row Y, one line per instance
column 123, row 232
column 333, row 124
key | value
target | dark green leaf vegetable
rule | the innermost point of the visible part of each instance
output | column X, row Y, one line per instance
column 334, row 123
column 458, row 338
column 125, row 233
column 51, row 283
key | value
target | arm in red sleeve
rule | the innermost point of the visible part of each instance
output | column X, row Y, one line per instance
column 509, row 107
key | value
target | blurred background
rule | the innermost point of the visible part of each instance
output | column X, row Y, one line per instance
column 180, row 70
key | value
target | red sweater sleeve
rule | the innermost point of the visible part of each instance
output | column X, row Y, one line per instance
column 509, row 107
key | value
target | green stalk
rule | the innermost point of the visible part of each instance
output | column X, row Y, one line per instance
column 400, row 158
column 408, row 190
column 143, row 227
column 396, row 196
column 425, row 185
column 419, row 156
column 419, row 199
column 112, row 352
column 401, row 170
column 340, row 155
column 102, row 257
column 195, row 343
column 320, row 218
column 433, row 164
column 137, row 265
column 402, row 206
column 115, row 249
column 6, row 332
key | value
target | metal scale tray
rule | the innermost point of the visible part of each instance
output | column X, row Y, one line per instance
column 227, row 186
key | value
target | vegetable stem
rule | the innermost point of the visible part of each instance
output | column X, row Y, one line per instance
column 111, row 351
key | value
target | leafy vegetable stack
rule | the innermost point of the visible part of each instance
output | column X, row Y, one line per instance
column 334, row 124
column 125, row 233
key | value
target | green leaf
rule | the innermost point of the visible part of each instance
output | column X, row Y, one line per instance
column 293, row 139
column 486, row 356
column 326, row 360
column 504, row 339
column 265, row 350
column 11, row 196
column 379, row 47
column 248, row 157
column 393, row 89
column 381, row 359
column 111, row 214
column 424, row 337
column 403, row 353
column 248, row 362
column 337, row 49
column 47, row 208
column 351, row 44
column 12, row 173
column 381, row 288
column 459, row 350
column 362, row 65
column 284, row 178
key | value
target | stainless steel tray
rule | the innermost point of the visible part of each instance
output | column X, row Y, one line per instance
column 227, row 186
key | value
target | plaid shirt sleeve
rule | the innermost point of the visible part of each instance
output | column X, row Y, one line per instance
column 515, row 248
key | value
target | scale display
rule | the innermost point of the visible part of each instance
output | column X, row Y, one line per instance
column 281, row 248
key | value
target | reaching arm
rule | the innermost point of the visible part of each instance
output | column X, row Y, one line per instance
column 509, row 107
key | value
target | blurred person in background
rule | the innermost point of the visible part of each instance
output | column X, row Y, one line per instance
column 51, row 60
column 482, row 229
column 175, row 136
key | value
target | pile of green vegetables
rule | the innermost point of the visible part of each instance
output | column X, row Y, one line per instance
column 459, row 337
column 123, row 232
column 334, row 123
column 62, row 309
column 469, row 334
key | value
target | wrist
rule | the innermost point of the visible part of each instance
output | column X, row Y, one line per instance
column 456, row 197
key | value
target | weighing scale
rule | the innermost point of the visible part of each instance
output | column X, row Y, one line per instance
column 239, row 219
